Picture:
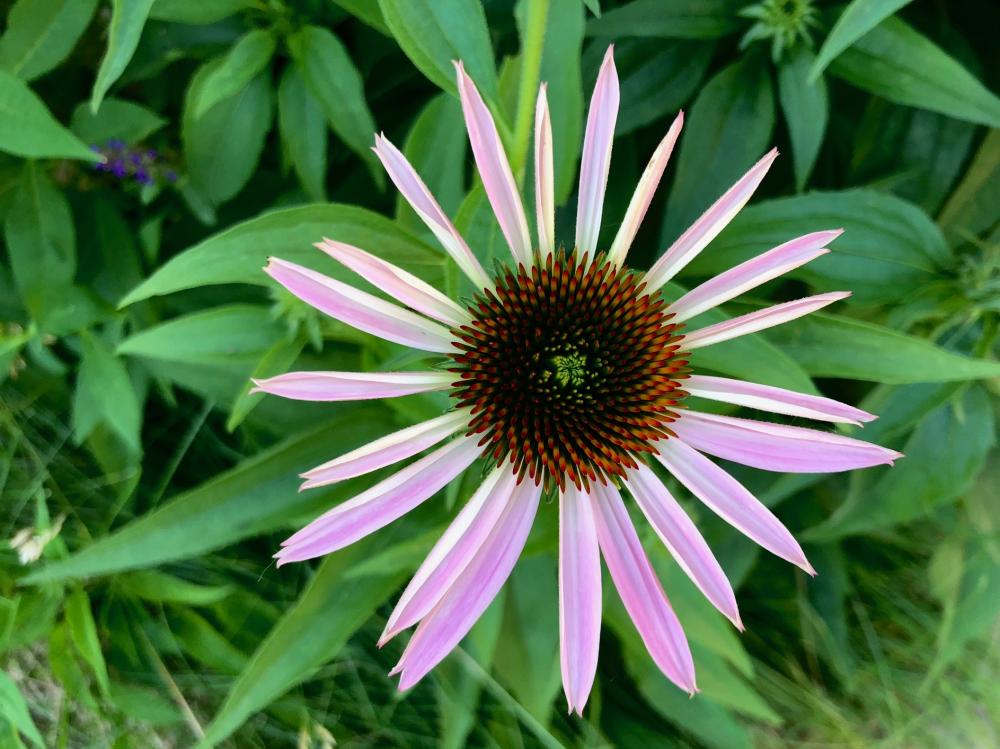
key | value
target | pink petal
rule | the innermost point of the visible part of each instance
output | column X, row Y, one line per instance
column 640, row 590
column 453, row 552
column 683, row 541
column 388, row 500
column 753, row 322
column 579, row 597
column 774, row 399
column 352, row 386
column 544, row 176
column 360, row 309
column 727, row 498
column 396, row 282
column 644, row 192
column 388, row 450
column 474, row 590
column 708, row 226
column 752, row 273
column 776, row 447
column 491, row 160
column 596, row 159
column 412, row 188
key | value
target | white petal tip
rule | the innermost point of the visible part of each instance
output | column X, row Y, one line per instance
column 808, row 568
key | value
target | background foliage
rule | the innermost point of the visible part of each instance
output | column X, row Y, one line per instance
column 133, row 311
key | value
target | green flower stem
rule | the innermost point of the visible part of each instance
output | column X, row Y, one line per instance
column 532, row 44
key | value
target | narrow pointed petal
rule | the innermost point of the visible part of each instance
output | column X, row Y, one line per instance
column 494, row 168
column 545, row 200
column 375, row 508
column 644, row 192
column 752, row 273
column 708, row 226
column 596, row 159
column 388, row 450
column 396, row 282
column 774, row 399
column 729, row 499
column 776, row 447
column 453, row 552
column 763, row 319
column 682, row 539
column 579, row 597
column 640, row 589
column 474, row 590
column 359, row 309
column 412, row 188
column 352, row 386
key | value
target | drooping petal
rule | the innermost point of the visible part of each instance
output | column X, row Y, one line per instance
column 412, row 188
column 774, row 399
column 453, row 552
column 396, row 282
column 752, row 322
column 360, row 309
column 752, row 273
column 708, row 226
column 388, row 500
column 387, row 450
column 579, row 597
column 596, row 159
column 776, row 447
column 494, row 168
column 644, row 192
column 352, row 386
column 683, row 541
column 640, row 589
column 473, row 591
column 545, row 199
column 727, row 498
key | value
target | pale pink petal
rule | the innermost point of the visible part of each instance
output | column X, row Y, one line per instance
column 727, row 498
column 491, row 160
column 640, row 590
column 752, row 322
column 644, row 192
column 473, row 591
column 352, row 386
column 544, row 177
column 774, row 399
column 388, row 500
column 708, row 226
column 412, row 188
column 596, row 159
column 396, row 282
column 453, row 552
column 579, row 597
column 776, row 447
column 387, row 450
column 683, row 541
column 359, row 309
column 752, row 273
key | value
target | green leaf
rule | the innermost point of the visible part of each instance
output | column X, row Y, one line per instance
column 971, row 209
column 367, row 12
column 735, row 116
column 196, row 12
column 829, row 346
column 104, row 395
column 858, row 18
column 336, row 84
column 14, row 710
column 41, row 33
column 144, row 704
column 805, row 105
column 83, row 632
column 116, row 119
column 127, row 20
column 303, row 132
column 28, row 129
column 248, row 57
column 10, row 347
column 237, row 255
column 889, row 246
column 153, row 585
column 222, row 146
column 672, row 19
column 882, row 62
column 275, row 361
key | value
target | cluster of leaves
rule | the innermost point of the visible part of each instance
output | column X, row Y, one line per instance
column 153, row 153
